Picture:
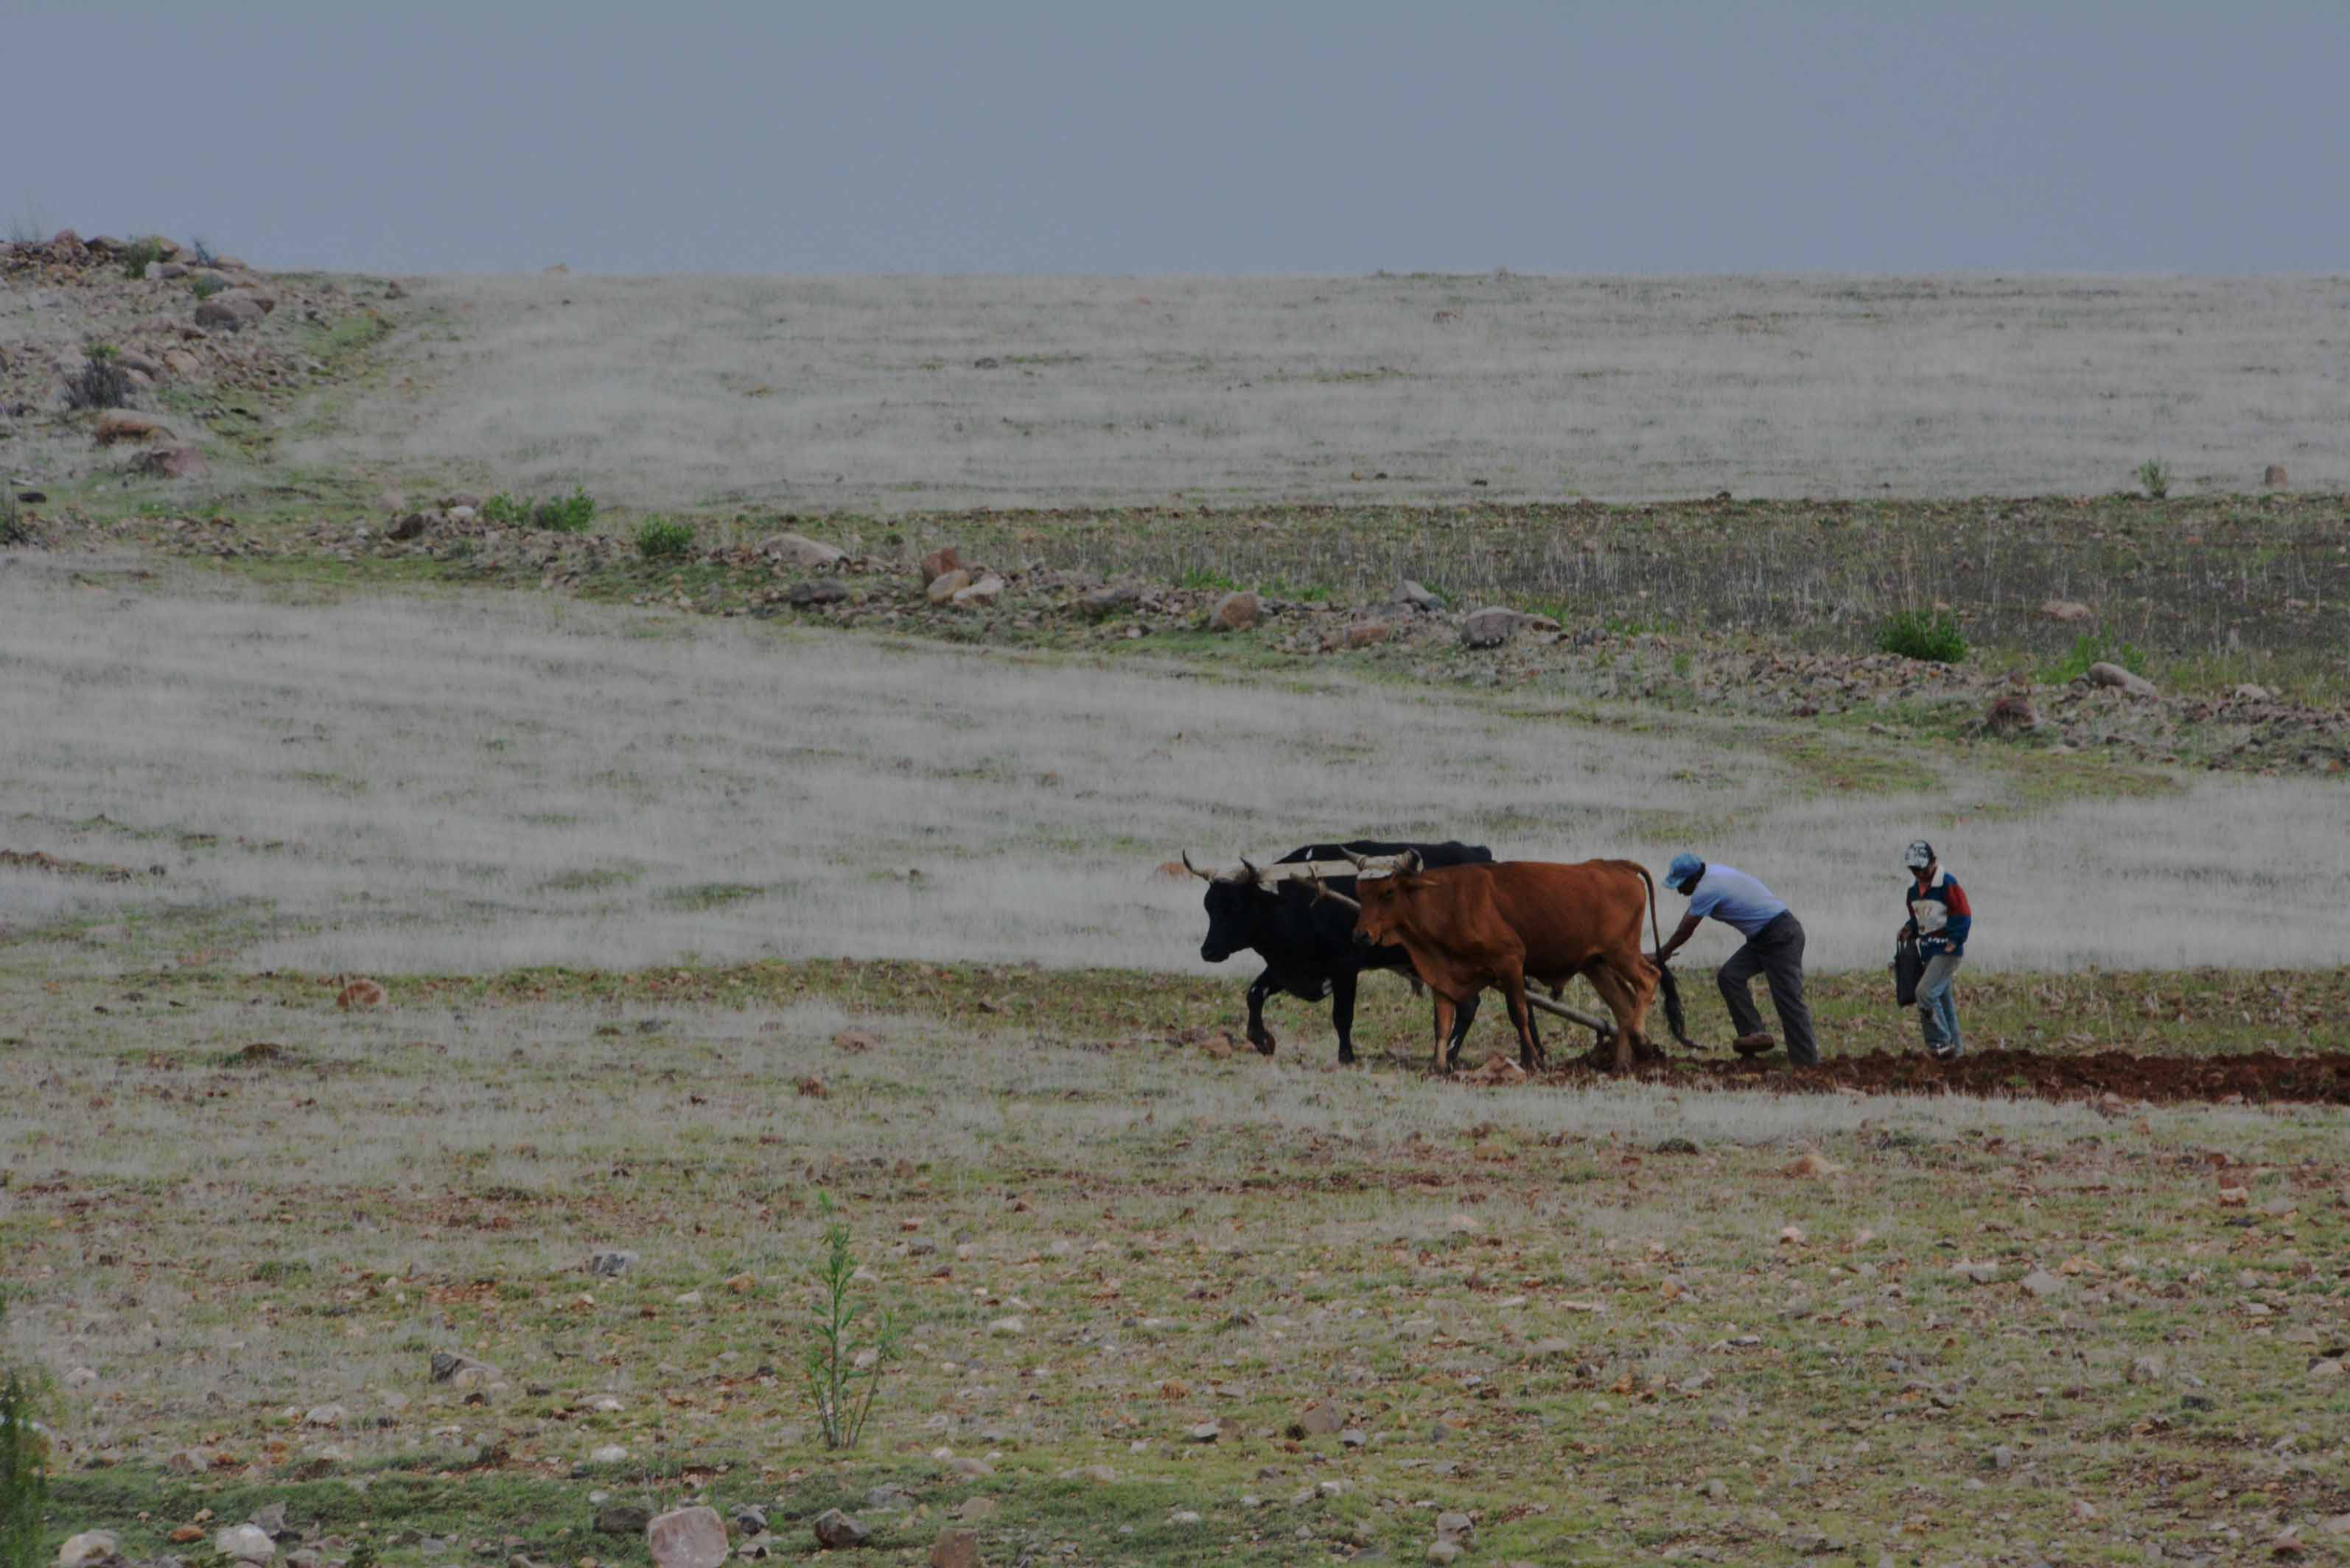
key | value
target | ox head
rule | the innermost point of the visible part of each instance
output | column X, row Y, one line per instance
column 1382, row 904
column 1237, row 903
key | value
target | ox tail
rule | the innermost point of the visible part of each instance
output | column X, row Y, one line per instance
column 1667, row 987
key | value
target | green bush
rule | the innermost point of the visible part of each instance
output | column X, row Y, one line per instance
column 24, row 1482
column 136, row 256
column 659, row 539
column 2154, row 478
column 2095, row 647
column 207, row 287
column 503, row 508
column 571, row 514
column 1931, row 635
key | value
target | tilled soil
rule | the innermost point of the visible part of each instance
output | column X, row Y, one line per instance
column 2252, row 1078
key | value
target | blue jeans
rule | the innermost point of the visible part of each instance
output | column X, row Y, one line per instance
column 1938, row 1016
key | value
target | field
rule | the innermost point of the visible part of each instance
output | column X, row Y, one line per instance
column 706, row 917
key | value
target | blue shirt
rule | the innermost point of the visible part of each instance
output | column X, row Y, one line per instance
column 1733, row 897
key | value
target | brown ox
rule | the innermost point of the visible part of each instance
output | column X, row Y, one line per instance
column 1469, row 926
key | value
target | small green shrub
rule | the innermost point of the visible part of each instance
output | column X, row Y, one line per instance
column 659, row 539
column 136, row 255
column 570, row 514
column 24, row 1481
column 2094, row 648
column 1933, row 636
column 503, row 508
column 832, row 1362
column 2154, row 478
column 207, row 287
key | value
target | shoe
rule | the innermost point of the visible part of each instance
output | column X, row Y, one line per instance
column 1754, row 1045
column 1945, row 1052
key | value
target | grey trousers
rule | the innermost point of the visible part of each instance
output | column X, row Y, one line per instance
column 1938, row 1016
column 1775, row 953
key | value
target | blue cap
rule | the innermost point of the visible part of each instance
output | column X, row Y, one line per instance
column 1684, row 869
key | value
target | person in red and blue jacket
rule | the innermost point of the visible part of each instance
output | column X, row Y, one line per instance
column 1940, row 920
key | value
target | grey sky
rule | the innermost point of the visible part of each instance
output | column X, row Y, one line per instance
column 1199, row 138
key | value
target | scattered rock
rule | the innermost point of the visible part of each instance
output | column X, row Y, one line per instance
column 1107, row 601
column 2127, row 681
column 1205, row 1432
column 2070, row 611
column 1320, row 1419
column 822, row 591
column 2272, row 477
column 359, row 994
column 245, row 1543
column 799, row 550
column 856, row 1039
column 939, row 562
column 191, row 1461
column 1408, row 592
column 610, row 1265
column 609, row 1454
column 232, row 311
column 836, row 1529
column 2146, row 1369
column 889, row 1498
column 623, row 1518
column 1236, row 612
column 2248, row 693
column 1812, row 1163
column 1444, row 1550
column 2042, row 1283
column 2235, row 1197
column 90, row 1546
column 1009, row 1325
column 977, row 1510
column 123, row 424
column 271, row 1521
column 971, row 1468
column 1366, row 633
column 946, row 585
column 462, row 1371
column 687, row 1537
column 749, row 1521
column 409, row 526
column 323, row 1416
column 1493, row 626
column 2013, row 714
column 1455, row 1526
column 955, row 1548
column 984, row 592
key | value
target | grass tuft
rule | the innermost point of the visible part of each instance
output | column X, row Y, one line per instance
column 1933, row 636
column 2154, row 478
column 659, row 539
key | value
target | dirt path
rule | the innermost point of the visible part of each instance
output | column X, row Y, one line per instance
column 2252, row 1077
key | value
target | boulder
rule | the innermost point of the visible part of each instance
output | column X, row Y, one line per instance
column 1410, row 593
column 955, row 1548
column 2069, row 612
column 623, row 1518
column 1366, row 633
column 946, row 585
column 1320, row 1419
column 90, row 1546
column 167, row 271
column 323, row 1415
column 822, row 591
column 122, row 424
column 939, row 562
column 2274, row 477
column 245, row 1543
column 2248, row 693
column 687, row 1537
column 799, row 550
column 133, row 359
column 2126, row 681
column 181, row 363
column 230, row 311
column 260, row 296
column 462, row 1371
column 2011, row 715
column 1493, row 626
column 979, row 594
column 410, row 526
column 836, row 1529
column 1236, row 612
column 610, row 1265
column 1108, row 601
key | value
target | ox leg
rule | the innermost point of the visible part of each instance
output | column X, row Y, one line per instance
column 1513, row 991
column 1258, row 1036
column 1464, row 1015
column 1445, row 1010
column 1342, row 1014
column 1619, row 1000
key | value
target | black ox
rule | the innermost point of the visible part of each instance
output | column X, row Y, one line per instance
column 1308, row 945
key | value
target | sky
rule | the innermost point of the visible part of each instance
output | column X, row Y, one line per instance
column 752, row 136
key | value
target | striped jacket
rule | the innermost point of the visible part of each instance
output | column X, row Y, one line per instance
column 1940, row 915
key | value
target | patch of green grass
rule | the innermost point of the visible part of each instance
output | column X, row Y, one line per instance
column 2154, row 478
column 1932, row 636
column 137, row 255
column 710, row 895
column 1827, row 762
column 2093, row 648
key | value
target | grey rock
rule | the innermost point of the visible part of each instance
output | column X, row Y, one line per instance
column 270, row 1520
column 1236, row 612
column 232, row 311
column 2129, row 683
column 687, row 1537
column 749, row 1521
column 823, row 591
column 889, row 1498
column 836, row 1529
column 1107, row 601
column 799, row 550
column 622, row 1519
column 2042, row 1283
column 245, row 1543
column 1493, row 626
column 90, row 1546
column 1408, row 592
column 610, row 1265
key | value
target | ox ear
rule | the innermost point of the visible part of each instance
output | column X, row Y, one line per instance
column 1410, row 864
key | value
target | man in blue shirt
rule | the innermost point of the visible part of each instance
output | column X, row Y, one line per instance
column 1773, row 949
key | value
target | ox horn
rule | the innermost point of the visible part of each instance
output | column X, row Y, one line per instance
column 1410, row 862
column 1253, row 874
column 1361, row 862
column 1321, row 890
column 1194, row 870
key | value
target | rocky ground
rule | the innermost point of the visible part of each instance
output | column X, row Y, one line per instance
column 206, row 346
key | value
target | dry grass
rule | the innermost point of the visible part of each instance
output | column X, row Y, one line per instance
column 398, row 785
column 829, row 393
